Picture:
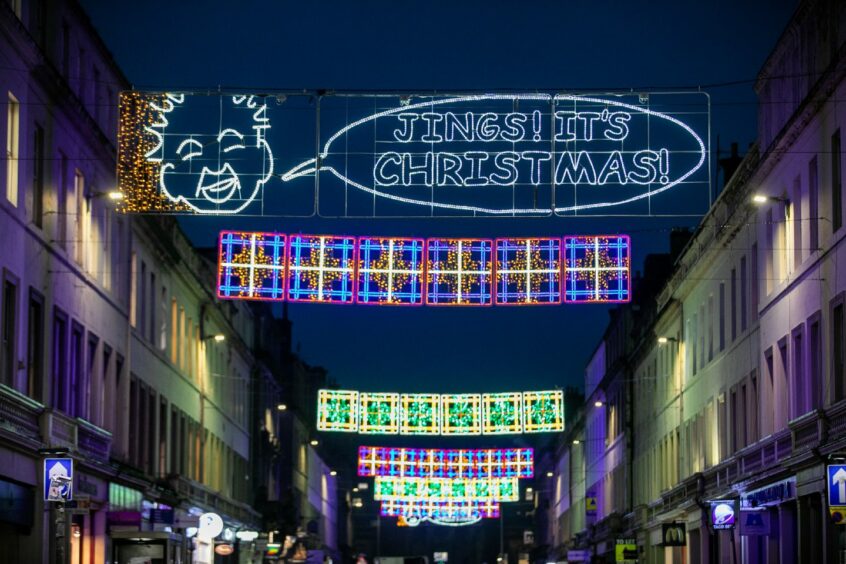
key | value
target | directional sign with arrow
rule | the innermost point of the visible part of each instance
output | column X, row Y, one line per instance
column 837, row 484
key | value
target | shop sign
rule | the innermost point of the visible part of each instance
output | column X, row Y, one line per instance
column 58, row 479
column 836, row 485
column 211, row 525
column 838, row 515
column 754, row 523
column 673, row 534
column 625, row 550
column 722, row 515
column 124, row 518
column 770, row 494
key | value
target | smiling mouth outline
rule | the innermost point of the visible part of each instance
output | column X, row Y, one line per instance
column 221, row 190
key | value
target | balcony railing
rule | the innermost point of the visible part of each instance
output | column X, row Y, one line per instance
column 199, row 494
column 19, row 416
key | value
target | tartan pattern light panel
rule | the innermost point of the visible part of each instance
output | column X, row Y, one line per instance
column 459, row 272
column 403, row 271
column 460, row 414
column 441, row 414
column 502, row 413
column 528, row 271
column 445, row 489
column 379, row 413
column 441, row 511
column 251, row 265
column 321, row 269
column 390, row 271
column 597, row 269
column 544, row 411
column 337, row 410
column 420, row 414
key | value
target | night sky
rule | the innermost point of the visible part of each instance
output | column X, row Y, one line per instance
column 468, row 45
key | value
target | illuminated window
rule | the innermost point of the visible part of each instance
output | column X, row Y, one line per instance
column 13, row 116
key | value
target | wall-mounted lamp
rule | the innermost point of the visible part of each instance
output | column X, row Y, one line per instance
column 576, row 441
column 333, row 472
column 598, row 403
column 314, row 442
column 218, row 337
column 281, row 407
column 761, row 199
column 550, row 474
column 665, row 340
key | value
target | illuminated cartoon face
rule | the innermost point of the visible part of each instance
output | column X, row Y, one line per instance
column 219, row 171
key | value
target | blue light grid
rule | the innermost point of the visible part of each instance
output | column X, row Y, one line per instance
column 459, row 272
column 528, row 271
column 251, row 266
column 597, row 269
column 390, row 271
column 321, row 269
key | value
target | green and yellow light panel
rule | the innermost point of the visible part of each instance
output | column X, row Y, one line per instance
column 420, row 414
column 395, row 488
column 379, row 413
column 382, row 413
column 337, row 410
column 543, row 411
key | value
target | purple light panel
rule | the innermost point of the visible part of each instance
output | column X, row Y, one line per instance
column 597, row 269
column 436, row 272
column 390, row 271
column 441, row 510
column 446, row 463
column 251, row 266
column 321, row 269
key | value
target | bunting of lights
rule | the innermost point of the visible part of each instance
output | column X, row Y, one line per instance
column 444, row 486
column 414, row 272
column 440, row 414
column 597, row 269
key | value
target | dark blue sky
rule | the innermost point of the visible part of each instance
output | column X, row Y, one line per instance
column 530, row 45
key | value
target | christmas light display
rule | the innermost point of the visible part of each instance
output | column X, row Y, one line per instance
column 461, row 414
column 252, row 265
column 395, row 271
column 438, row 511
column 459, row 272
column 597, row 269
column 445, row 463
column 379, row 413
column 543, row 412
column 513, row 154
column 447, row 414
column 337, row 410
column 528, row 271
column 390, row 271
column 388, row 488
column 321, row 269
column 420, row 414
column 502, row 413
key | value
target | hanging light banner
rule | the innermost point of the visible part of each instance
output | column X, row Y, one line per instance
column 381, row 413
column 379, row 155
column 446, row 463
column 412, row 272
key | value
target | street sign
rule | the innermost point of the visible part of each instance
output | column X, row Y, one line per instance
column 58, row 479
column 836, row 484
column 838, row 515
column 673, row 534
column 590, row 505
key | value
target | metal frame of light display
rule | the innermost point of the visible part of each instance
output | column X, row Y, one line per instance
column 433, row 272
column 440, row 414
column 505, row 154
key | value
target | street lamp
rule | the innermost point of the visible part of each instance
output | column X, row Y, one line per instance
column 598, row 403
column 665, row 340
column 333, row 472
column 550, row 474
column 761, row 199
column 314, row 442
column 576, row 441
column 281, row 407
column 217, row 337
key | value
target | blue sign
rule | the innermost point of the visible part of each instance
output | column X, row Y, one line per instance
column 58, row 479
column 836, row 484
